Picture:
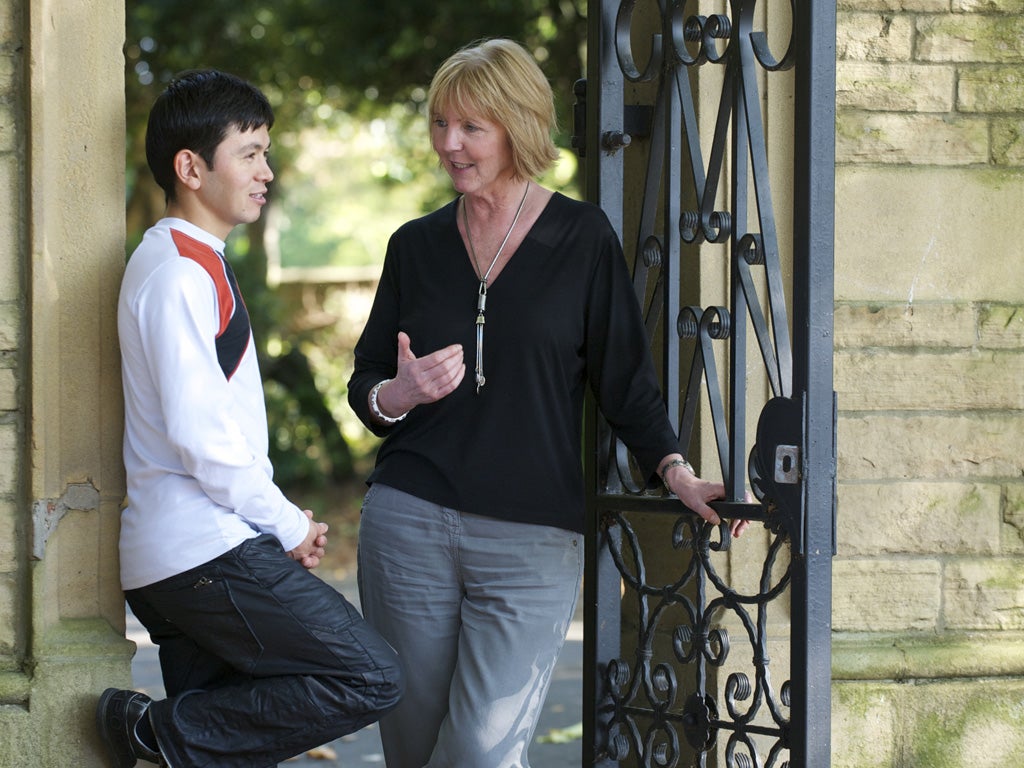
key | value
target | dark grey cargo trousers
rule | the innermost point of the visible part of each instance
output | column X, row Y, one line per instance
column 261, row 661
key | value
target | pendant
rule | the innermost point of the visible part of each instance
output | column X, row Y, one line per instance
column 481, row 304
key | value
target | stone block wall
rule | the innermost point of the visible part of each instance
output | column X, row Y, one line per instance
column 12, row 314
column 928, row 615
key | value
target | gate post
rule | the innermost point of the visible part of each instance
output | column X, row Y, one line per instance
column 813, row 305
column 600, row 103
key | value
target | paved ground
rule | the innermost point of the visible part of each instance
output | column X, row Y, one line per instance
column 563, row 709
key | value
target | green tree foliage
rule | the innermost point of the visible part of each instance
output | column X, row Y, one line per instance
column 322, row 63
column 312, row 57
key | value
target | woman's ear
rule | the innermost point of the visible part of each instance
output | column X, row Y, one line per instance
column 186, row 168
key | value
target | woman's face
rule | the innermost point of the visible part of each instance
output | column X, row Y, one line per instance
column 474, row 151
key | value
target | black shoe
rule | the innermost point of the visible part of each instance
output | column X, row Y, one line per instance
column 117, row 717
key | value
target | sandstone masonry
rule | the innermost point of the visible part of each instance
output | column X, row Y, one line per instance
column 12, row 309
column 928, row 658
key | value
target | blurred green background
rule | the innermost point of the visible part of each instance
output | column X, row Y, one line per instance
column 352, row 159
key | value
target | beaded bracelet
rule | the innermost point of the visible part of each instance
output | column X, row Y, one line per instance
column 376, row 408
column 676, row 463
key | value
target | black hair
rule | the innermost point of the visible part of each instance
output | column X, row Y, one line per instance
column 195, row 112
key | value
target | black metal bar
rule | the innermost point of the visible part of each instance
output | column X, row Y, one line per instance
column 600, row 609
column 604, row 114
column 813, row 302
column 672, row 178
column 743, row 146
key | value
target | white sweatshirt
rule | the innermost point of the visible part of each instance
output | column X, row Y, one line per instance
column 195, row 440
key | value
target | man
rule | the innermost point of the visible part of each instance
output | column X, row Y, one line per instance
column 261, row 660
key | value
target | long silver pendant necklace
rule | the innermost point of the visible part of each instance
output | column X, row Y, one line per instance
column 481, row 298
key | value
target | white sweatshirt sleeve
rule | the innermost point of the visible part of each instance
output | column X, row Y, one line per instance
column 212, row 423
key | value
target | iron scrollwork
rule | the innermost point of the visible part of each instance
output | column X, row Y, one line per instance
column 658, row 702
column 653, row 714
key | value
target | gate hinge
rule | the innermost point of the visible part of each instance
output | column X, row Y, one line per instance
column 637, row 120
column 579, row 117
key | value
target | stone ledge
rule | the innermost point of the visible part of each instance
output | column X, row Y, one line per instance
column 869, row 656
column 14, row 688
column 73, row 640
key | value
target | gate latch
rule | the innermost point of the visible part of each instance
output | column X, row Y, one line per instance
column 787, row 464
column 774, row 466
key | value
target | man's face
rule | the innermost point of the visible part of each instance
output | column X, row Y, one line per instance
column 234, row 190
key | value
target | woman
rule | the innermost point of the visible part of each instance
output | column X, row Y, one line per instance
column 470, row 552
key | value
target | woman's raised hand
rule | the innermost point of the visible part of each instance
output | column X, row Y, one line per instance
column 421, row 379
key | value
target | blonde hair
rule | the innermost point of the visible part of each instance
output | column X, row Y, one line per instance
column 502, row 82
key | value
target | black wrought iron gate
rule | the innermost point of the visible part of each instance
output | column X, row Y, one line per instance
column 683, row 627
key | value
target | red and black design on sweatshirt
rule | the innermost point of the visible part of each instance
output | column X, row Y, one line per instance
column 233, row 333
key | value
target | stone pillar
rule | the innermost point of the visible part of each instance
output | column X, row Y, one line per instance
column 61, row 477
column 928, row 655
column 13, row 688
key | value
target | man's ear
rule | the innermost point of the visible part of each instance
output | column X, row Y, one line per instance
column 188, row 167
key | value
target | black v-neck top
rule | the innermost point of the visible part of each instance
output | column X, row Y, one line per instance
column 562, row 314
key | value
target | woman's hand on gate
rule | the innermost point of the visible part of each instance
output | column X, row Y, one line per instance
column 695, row 493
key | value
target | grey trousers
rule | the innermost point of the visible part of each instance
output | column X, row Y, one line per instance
column 477, row 609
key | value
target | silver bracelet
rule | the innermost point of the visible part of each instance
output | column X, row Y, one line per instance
column 375, row 409
column 676, row 463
